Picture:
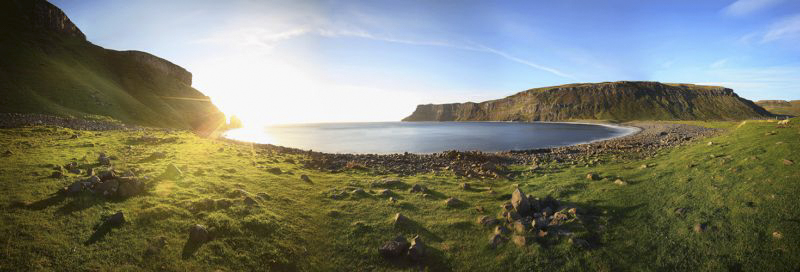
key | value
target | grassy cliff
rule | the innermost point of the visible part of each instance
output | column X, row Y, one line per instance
column 48, row 66
column 617, row 101
column 782, row 107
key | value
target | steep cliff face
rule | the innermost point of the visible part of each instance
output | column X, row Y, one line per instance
column 48, row 66
column 621, row 101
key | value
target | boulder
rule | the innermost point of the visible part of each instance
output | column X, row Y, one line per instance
column 74, row 188
column 520, row 240
column 416, row 252
column 107, row 175
column 465, row 186
column 500, row 229
column 394, row 248
column 699, row 227
column 452, row 202
column 275, row 170
column 172, row 171
column 620, row 182
column 400, row 220
column 57, row 174
column 249, row 201
column 115, row 220
column 519, row 226
column 305, row 178
column 496, row 240
column 107, row 188
column 385, row 193
column 487, row 221
column 520, row 202
column 223, row 203
column 103, row 160
column 418, row 188
column 592, row 176
column 129, row 187
column 198, row 234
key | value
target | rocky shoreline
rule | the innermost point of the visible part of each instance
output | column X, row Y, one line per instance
column 652, row 137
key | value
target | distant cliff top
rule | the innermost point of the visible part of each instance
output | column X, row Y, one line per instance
column 621, row 101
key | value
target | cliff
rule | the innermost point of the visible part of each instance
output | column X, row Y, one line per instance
column 47, row 66
column 618, row 101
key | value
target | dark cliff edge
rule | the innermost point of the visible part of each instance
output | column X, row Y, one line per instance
column 614, row 101
column 48, row 66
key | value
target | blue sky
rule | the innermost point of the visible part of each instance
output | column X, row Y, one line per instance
column 315, row 61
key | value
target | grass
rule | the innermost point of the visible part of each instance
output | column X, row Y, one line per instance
column 743, row 194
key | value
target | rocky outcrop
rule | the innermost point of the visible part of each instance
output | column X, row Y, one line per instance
column 620, row 101
column 47, row 17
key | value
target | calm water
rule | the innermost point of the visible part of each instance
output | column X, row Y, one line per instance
column 427, row 137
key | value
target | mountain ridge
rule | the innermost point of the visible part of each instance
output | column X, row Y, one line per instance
column 617, row 101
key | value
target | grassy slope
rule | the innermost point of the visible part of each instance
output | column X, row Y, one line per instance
column 792, row 109
column 44, row 72
column 744, row 193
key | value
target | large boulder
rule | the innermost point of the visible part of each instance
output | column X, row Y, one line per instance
column 129, row 187
column 520, row 202
column 198, row 234
column 394, row 248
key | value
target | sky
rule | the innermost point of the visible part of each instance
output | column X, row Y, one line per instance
column 334, row 61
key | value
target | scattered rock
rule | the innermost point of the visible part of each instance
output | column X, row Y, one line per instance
column 496, row 240
column 392, row 199
column 305, row 178
column 172, row 171
column 487, row 221
column 198, row 234
column 57, row 174
column 400, row 220
column 359, row 192
column 417, row 249
column 75, row 171
column 620, row 182
column 275, row 170
column 129, row 187
column 452, row 202
column 519, row 240
column 107, row 188
column 394, row 248
column 223, row 203
column 103, row 160
column 579, row 243
column 249, row 201
column 592, row 176
column 115, row 220
column 465, row 186
column 699, row 227
column 417, row 188
column 74, row 188
column 520, row 202
column 777, row 235
column 500, row 229
column 519, row 226
column 788, row 162
column 385, row 193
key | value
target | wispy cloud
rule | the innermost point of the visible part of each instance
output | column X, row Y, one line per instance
column 787, row 28
column 719, row 63
column 746, row 7
column 267, row 39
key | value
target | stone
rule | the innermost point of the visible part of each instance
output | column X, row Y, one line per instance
column 496, row 240
column 129, row 187
column 519, row 240
column 172, row 171
column 487, row 221
column 107, row 175
column 359, row 192
column 103, row 160
column 74, row 188
column 223, row 203
column 305, row 178
column 93, row 180
column 452, row 202
column 249, row 201
column 558, row 219
column 392, row 199
column 385, row 193
column 465, row 186
column 540, row 222
column 107, row 188
column 579, row 243
column 592, row 176
column 416, row 252
column 115, row 220
column 520, row 202
column 541, row 233
column 198, row 234
column 620, row 182
column 788, row 162
column 400, row 220
column 777, row 235
column 508, row 207
column 417, row 188
column 394, row 248
column 75, row 171
column 275, row 170
column 57, row 174
column 500, row 229
column 512, row 216
column 699, row 227
column 519, row 226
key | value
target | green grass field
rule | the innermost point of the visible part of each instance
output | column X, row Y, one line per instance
column 739, row 188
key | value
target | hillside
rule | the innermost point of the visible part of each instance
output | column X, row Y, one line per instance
column 781, row 107
column 47, row 66
column 618, row 101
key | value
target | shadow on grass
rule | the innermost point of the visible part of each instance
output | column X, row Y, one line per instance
column 415, row 227
column 434, row 260
column 190, row 248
